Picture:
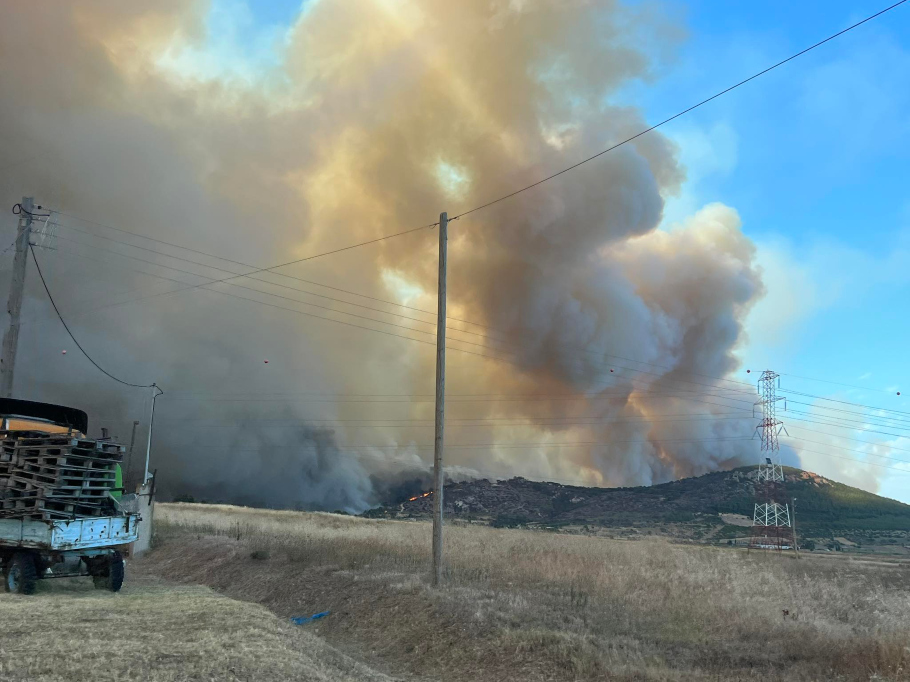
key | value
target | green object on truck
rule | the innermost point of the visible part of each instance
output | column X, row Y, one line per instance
column 118, row 483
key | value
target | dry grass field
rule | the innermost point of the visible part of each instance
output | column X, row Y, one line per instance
column 154, row 632
column 525, row 605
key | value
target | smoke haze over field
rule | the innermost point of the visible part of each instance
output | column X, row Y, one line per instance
column 374, row 117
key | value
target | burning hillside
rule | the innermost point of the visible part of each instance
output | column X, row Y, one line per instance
column 690, row 507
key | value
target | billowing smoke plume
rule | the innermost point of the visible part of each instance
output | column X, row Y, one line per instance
column 593, row 334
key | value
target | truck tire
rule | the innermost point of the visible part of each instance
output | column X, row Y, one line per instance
column 21, row 574
column 112, row 576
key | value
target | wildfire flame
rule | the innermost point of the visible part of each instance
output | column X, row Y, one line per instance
column 417, row 497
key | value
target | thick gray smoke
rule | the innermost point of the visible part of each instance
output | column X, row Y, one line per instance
column 376, row 117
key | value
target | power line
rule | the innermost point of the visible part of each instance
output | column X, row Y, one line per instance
column 554, row 175
column 408, row 328
column 853, row 459
column 152, row 239
column 862, row 423
column 464, row 423
column 507, row 445
column 246, row 265
column 543, row 444
column 268, row 293
column 483, row 346
column 855, row 440
column 847, row 428
column 412, row 401
column 846, row 423
column 603, row 365
column 640, row 393
column 144, row 248
column 898, row 420
column 421, row 397
column 484, row 336
column 65, row 326
column 843, row 402
column 281, row 265
column 301, row 312
column 477, row 208
column 681, row 113
column 859, row 452
column 412, row 447
column 119, row 267
column 349, row 324
column 836, row 383
column 306, row 396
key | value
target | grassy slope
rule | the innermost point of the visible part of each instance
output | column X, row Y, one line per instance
column 525, row 605
column 839, row 506
column 156, row 633
column 824, row 506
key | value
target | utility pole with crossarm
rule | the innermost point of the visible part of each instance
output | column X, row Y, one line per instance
column 14, row 303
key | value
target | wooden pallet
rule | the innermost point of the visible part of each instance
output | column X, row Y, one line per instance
column 47, row 476
column 61, row 505
column 102, row 456
column 91, row 489
column 70, row 460
column 37, row 515
column 37, row 439
column 47, row 440
column 72, row 466
column 36, row 470
column 87, row 495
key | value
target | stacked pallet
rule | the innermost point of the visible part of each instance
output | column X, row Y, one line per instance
column 55, row 476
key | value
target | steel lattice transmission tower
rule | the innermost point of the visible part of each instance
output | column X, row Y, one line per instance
column 771, row 524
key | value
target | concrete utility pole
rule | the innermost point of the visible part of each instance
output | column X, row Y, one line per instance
column 793, row 525
column 438, row 479
column 14, row 304
column 148, row 445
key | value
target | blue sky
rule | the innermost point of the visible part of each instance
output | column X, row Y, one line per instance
column 813, row 156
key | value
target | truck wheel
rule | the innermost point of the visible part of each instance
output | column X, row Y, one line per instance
column 21, row 574
column 112, row 577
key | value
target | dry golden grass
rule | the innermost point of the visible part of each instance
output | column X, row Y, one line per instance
column 528, row 605
column 156, row 633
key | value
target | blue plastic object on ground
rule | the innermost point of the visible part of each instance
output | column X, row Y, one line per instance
column 301, row 620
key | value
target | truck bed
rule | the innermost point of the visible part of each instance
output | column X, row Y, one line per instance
column 67, row 535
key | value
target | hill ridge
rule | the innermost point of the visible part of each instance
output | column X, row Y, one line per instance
column 714, row 507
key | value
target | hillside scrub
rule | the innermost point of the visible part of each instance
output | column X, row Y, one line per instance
column 526, row 605
column 688, row 508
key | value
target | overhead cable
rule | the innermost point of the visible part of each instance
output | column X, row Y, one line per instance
column 66, row 327
column 485, row 336
column 681, row 113
column 508, row 348
column 554, row 175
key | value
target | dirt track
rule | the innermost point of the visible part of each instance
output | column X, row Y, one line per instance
column 157, row 632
